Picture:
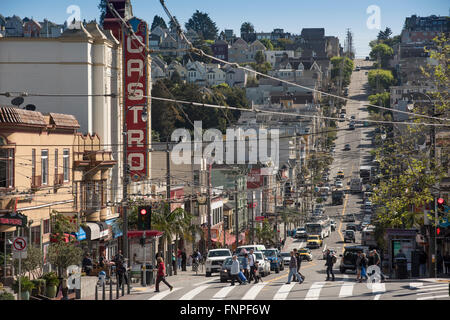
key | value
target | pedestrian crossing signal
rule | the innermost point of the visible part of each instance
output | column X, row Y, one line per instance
column 438, row 231
column 144, row 218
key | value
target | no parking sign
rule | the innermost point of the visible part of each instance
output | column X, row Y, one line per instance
column 20, row 247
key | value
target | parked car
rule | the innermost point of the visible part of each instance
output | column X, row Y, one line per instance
column 342, row 117
column 339, row 184
column 347, row 147
column 313, row 241
column 264, row 263
column 300, row 233
column 368, row 209
column 286, row 257
column 351, row 126
column 276, row 262
column 226, row 268
column 353, row 117
column 305, row 254
column 215, row 259
column 348, row 259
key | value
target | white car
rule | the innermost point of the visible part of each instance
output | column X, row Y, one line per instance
column 215, row 259
column 286, row 257
column 339, row 184
column 264, row 263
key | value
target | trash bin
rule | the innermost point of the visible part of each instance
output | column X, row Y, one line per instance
column 401, row 268
column 148, row 275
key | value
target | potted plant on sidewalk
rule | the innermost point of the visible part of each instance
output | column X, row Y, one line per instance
column 25, row 287
column 52, row 283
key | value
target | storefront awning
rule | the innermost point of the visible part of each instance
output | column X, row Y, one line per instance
column 104, row 229
column 92, row 231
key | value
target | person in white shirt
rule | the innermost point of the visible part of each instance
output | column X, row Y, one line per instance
column 235, row 269
column 251, row 260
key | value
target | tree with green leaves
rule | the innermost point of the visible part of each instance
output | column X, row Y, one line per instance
column 201, row 23
column 268, row 44
column 381, row 79
column 158, row 22
column 384, row 35
column 380, row 99
column 32, row 263
column 265, row 233
column 383, row 52
column 173, row 25
column 102, row 6
column 260, row 58
column 347, row 66
column 247, row 27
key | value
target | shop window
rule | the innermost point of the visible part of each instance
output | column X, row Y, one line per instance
column 6, row 168
column 44, row 166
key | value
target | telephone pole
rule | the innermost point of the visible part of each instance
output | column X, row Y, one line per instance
column 209, row 206
column 237, row 212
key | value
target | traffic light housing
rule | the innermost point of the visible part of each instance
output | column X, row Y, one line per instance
column 438, row 231
column 442, row 207
column 144, row 217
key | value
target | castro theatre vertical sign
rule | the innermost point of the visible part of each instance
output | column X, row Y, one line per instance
column 136, row 88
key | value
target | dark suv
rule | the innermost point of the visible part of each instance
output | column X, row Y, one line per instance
column 348, row 260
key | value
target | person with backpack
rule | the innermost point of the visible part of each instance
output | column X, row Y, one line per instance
column 330, row 261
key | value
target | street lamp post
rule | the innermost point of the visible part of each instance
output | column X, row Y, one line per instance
column 144, row 117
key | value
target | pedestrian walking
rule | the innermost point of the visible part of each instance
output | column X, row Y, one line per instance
column 251, row 262
column 234, row 272
column 258, row 277
column 447, row 263
column 358, row 266
column 174, row 262
column 377, row 262
column 87, row 264
column 179, row 259
column 363, row 264
column 246, row 266
column 293, row 269
column 121, row 271
column 439, row 262
column 423, row 262
column 330, row 261
column 183, row 260
column 161, row 275
column 299, row 263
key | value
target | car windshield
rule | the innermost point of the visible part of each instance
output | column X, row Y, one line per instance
column 349, row 232
column 285, row 254
column 229, row 261
column 219, row 253
column 313, row 237
column 270, row 253
column 300, row 229
column 303, row 251
column 259, row 256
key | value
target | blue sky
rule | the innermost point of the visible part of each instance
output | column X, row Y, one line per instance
column 290, row 15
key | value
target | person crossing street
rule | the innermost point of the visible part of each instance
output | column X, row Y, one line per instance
column 330, row 261
column 251, row 262
column 161, row 275
column 293, row 269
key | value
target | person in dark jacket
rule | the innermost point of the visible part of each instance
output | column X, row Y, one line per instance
column 161, row 275
column 363, row 265
column 299, row 264
column 447, row 263
column 183, row 260
column 293, row 269
column 423, row 262
column 87, row 264
column 330, row 261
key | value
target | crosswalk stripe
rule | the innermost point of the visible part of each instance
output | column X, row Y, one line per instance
column 431, row 288
column 253, row 292
column 163, row 294
column 377, row 287
column 347, row 288
column 314, row 291
column 223, row 293
column 415, row 285
column 437, row 291
column 283, row 292
column 204, row 282
column 433, row 297
column 191, row 294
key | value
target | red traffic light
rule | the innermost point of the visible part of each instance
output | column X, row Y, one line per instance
column 440, row 200
column 143, row 212
column 438, row 231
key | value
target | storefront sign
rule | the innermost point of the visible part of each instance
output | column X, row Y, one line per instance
column 136, row 91
column 17, row 220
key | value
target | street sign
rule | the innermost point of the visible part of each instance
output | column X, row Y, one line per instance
column 19, row 248
column 19, row 243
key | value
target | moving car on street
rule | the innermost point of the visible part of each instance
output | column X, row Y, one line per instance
column 314, row 241
column 300, row 233
column 337, row 197
column 286, row 257
column 256, row 247
column 226, row 268
column 264, row 263
column 332, row 225
column 338, row 184
column 276, row 262
column 340, row 175
column 305, row 254
column 215, row 259
column 349, row 218
column 349, row 236
column 347, row 147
